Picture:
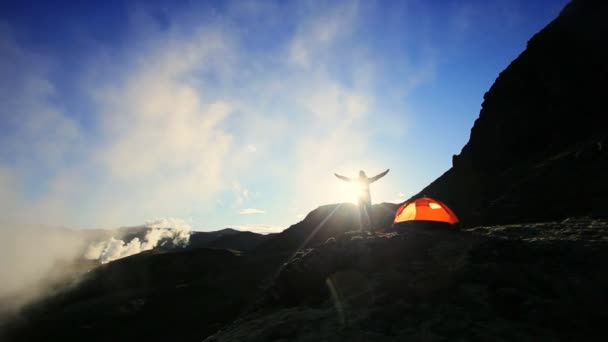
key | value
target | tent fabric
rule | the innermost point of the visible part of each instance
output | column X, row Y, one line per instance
column 425, row 209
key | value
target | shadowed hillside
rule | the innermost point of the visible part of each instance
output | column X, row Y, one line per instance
column 536, row 282
column 325, row 222
column 198, row 289
column 229, row 239
column 194, row 291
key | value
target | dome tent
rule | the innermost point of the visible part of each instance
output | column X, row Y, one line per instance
column 425, row 209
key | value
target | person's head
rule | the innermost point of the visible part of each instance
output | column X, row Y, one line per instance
column 362, row 173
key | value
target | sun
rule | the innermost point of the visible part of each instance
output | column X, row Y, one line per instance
column 348, row 192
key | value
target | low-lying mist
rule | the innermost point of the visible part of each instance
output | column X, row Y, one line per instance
column 38, row 261
column 33, row 260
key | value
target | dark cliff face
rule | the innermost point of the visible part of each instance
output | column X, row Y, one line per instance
column 538, row 149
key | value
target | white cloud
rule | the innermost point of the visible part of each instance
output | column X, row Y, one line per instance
column 164, row 140
column 260, row 228
column 241, row 193
column 316, row 36
column 251, row 211
column 176, row 230
column 188, row 108
column 159, row 145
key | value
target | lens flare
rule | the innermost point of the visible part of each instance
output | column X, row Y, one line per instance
column 348, row 192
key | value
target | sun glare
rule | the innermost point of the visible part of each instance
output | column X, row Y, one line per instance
column 349, row 192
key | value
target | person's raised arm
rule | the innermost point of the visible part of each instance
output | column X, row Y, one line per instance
column 342, row 177
column 378, row 176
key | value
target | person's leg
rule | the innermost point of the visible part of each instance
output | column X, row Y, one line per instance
column 364, row 215
column 370, row 221
column 361, row 207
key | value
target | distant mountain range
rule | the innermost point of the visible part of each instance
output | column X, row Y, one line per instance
column 228, row 238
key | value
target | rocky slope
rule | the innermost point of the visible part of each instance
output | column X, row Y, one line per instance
column 531, row 282
column 539, row 149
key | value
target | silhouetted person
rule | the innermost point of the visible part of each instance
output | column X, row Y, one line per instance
column 365, row 199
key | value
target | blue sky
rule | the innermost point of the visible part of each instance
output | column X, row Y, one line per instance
column 237, row 113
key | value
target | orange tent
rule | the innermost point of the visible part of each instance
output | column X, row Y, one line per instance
column 425, row 209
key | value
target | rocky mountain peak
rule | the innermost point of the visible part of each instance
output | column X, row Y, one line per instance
column 538, row 144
